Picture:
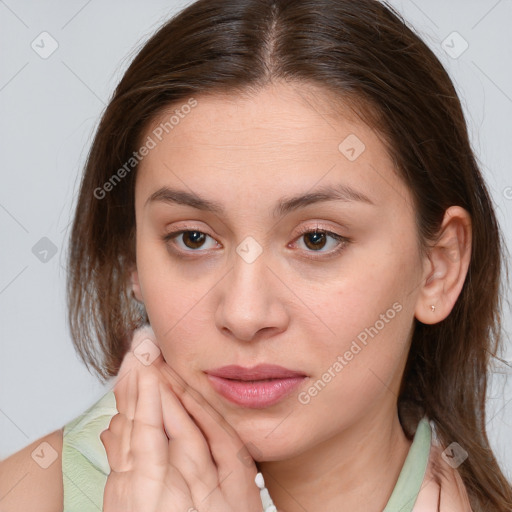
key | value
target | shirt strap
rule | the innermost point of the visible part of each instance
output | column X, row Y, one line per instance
column 411, row 476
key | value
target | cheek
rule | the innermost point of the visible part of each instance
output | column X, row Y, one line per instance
column 176, row 311
column 363, row 340
column 358, row 301
column 366, row 318
column 356, row 372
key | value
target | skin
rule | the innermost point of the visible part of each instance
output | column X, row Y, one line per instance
column 347, row 444
column 26, row 485
column 213, row 308
column 176, row 468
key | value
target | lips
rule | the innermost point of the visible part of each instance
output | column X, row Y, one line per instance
column 258, row 387
column 259, row 372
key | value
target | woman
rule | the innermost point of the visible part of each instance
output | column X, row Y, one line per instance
column 245, row 137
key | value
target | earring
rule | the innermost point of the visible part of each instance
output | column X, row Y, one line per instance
column 432, row 307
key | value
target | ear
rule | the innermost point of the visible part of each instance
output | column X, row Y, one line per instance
column 136, row 285
column 445, row 267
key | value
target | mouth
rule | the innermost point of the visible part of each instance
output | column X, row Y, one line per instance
column 256, row 388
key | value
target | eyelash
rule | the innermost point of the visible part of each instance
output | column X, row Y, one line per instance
column 343, row 241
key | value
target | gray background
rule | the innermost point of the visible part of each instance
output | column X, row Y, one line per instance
column 49, row 110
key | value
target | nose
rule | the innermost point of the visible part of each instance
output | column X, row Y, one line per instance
column 253, row 302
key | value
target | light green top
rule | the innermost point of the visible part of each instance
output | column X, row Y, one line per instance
column 85, row 465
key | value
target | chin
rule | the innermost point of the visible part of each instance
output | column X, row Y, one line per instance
column 264, row 447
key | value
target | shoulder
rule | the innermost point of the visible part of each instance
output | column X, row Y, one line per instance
column 64, row 470
column 442, row 489
column 31, row 479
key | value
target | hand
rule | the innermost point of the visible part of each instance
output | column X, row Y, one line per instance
column 169, row 450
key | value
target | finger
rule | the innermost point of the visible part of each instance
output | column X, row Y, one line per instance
column 116, row 438
column 148, row 441
column 143, row 353
column 148, row 408
column 129, row 492
column 227, row 448
column 125, row 390
column 178, row 495
column 117, row 444
column 236, row 468
column 136, row 473
column 188, row 450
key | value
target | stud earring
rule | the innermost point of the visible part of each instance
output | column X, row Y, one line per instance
column 432, row 307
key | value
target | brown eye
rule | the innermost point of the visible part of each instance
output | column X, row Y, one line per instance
column 193, row 239
column 187, row 240
column 315, row 239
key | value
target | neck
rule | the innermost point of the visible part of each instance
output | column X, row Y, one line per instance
column 357, row 469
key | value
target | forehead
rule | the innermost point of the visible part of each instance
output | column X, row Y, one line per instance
column 281, row 138
column 288, row 114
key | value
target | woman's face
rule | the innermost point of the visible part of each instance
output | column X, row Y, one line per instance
column 243, row 286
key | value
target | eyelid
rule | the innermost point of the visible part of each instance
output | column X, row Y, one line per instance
column 171, row 235
column 318, row 226
column 342, row 240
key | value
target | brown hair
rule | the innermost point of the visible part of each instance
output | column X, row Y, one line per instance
column 363, row 53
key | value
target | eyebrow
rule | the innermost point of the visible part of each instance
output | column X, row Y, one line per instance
column 284, row 206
